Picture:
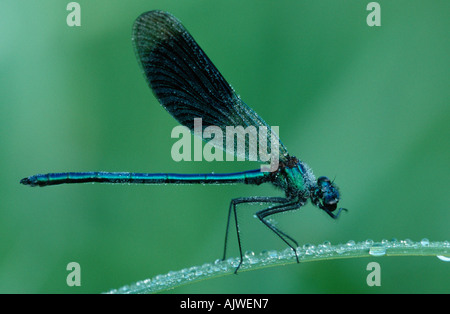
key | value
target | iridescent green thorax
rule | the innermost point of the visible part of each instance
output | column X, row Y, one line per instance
column 295, row 178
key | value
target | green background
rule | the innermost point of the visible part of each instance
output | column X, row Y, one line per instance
column 368, row 106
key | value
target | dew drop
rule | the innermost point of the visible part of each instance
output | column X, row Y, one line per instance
column 425, row 242
column 232, row 262
column 206, row 265
column 340, row 249
column 444, row 258
column 249, row 254
column 273, row 254
column 324, row 248
column 198, row 272
column 171, row 274
column 250, row 257
column 377, row 249
column 310, row 251
column 406, row 242
column 326, row 244
column 351, row 243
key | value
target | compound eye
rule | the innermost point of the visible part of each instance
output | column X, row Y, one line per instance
column 331, row 195
column 331, row 207
column 323, row 181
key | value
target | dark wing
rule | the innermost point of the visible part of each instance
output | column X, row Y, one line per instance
column 184, row 79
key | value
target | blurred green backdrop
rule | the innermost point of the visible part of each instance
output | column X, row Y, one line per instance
column 368, row 106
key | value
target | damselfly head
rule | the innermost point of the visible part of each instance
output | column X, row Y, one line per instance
column 326, row 196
